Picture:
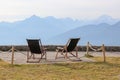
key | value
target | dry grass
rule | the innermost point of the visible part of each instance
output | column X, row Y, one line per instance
column 63, row 71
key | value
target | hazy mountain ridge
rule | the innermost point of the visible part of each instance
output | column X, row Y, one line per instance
column 95, row 34
column 15, row 33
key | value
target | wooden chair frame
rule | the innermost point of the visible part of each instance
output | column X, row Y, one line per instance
column 64, row 51
column 40, row 50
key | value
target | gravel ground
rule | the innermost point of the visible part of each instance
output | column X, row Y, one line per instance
column 20, row 57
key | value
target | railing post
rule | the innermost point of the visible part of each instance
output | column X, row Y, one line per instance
column 103, row 50
column 12, row 60
column 87, row 52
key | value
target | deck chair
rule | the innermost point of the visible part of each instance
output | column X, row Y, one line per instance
column 68, row 48
column 35, row 48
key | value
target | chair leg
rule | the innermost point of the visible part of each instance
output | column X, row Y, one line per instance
column 45, row 56
column 56, row 55
column 76, row 52
column 27, row 56
column 41, row 56
column 30, row 56
column 44, row 52
column 66, row 55
column 33, row 56
column 75, row 55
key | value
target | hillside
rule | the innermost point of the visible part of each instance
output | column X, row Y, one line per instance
column 95, row 34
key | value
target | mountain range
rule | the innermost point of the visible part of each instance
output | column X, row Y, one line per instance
column 95, row 34
column 54, row 31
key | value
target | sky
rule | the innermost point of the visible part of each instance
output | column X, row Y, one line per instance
column 14, row 10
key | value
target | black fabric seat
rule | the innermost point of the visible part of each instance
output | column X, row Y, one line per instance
column 35, row 47
column 68, row 48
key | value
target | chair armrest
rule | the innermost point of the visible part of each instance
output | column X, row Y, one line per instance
column 60, row 48
column 44, row 49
